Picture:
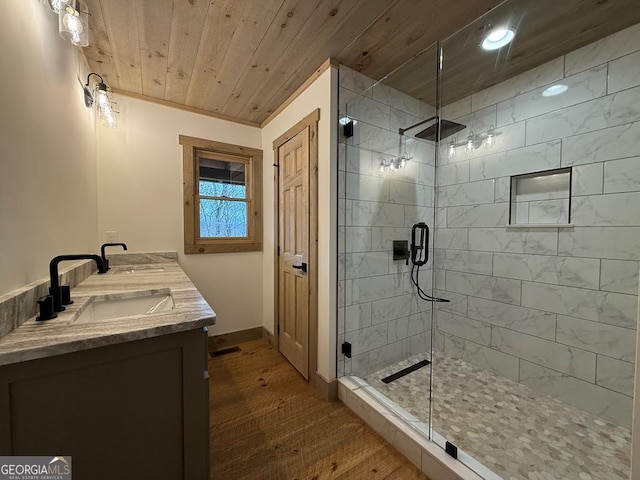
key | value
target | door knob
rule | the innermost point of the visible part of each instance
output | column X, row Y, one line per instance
column 302, row 266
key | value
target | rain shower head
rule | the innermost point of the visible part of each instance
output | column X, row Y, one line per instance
column 447, row 128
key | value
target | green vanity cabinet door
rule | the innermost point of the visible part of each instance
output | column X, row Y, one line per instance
column 128, row 411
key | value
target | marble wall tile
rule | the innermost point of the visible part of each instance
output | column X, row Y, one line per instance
column 426, row 174
column 607, row 144
column 463, row 327
column 534, row 322
column 600, row 242
column 615, row 375
column 586, row 396
column 582, row 87
column 398, row 100
column 549, row 211
column 453, row 173
column 365, row 187
column 376, row 214
column 619, row 276
column 609, row 340
column 357, row 239
column 525, row 82
column 410, row 193
column 624, row 73
column 366, row 109
column 367, row 264
column 358, row 160
column 451, row 238
column 506, row 365
column 587, row 179
column 417, row 344
column 357, row 317
column 486, row 215
column 397, row 329
column 562, row 358
column 441, row 217
column 466, row 193
column 610, row 111
column 369, row 289
column 602, row 51
column 423, row 152
column 401, row 119
column 605, row 307
column 377, row 358
column 613, row 209
column 622, row 175
column 367, row 338
column 383, row 237
column 570, row 271
column 542, row 241
column 413, row 215
column 457, row 109
column 530, row 159
column 344, row 97
column 465, row 261
column 492, row 288
column 395, row 307
column 477, row 121
column 354, row 81
column 502, row 189
column 457, row 303
column 374, row 138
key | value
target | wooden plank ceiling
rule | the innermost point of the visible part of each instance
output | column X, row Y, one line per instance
column 243, row 58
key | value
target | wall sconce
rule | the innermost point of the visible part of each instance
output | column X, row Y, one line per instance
column 473, row 141
column 73, row 21
column 102, row 99
column 56, row 5
column 394, row 163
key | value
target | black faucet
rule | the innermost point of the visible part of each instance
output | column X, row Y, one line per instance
column 104, row 258
column 55, row 290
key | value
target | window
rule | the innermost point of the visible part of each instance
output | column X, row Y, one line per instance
column 222, row 196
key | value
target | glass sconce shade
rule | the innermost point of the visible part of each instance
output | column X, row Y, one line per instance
column 106, row 107
column 73, row 22
column 57, row 5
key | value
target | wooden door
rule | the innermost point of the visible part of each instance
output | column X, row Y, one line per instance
column 293, row 261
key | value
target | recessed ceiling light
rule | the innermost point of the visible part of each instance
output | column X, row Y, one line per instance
column 554, row 90
column 498, row 38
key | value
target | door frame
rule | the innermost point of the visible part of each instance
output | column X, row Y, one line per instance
column 310, row 123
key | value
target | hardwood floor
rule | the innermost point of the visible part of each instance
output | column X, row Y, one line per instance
column 267, row 423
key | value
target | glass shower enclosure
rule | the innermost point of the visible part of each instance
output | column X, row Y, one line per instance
column 488, row 239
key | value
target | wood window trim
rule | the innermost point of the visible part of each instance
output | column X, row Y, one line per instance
column 253, row 157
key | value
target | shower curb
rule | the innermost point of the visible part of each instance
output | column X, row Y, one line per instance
column 425, row 455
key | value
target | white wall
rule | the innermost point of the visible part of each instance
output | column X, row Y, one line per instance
column 47, row 147
column 320, row 94
column 140, row 197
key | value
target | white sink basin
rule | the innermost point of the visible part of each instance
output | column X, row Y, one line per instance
column 139, row 270
column 105, row 307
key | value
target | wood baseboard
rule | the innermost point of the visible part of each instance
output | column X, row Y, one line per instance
column 226, row 340
column 270, row 338
column 327, row 389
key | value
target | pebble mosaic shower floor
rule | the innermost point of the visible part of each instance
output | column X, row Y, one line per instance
column 513, row 430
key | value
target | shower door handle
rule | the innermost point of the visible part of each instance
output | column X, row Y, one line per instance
column 302, row 266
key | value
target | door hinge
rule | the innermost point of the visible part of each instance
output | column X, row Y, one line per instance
column 451, row 449
column 278, row 329
column 278, row 249
column 346, row 349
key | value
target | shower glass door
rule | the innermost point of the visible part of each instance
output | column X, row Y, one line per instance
column 386, row 187
column 536, row 240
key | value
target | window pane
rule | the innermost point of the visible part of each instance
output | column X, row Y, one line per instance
column 220, row 178
column 223, row 218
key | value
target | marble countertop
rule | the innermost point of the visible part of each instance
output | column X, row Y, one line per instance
column 33, row 339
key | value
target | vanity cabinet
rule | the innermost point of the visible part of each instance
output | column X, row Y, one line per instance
column 133, row 410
